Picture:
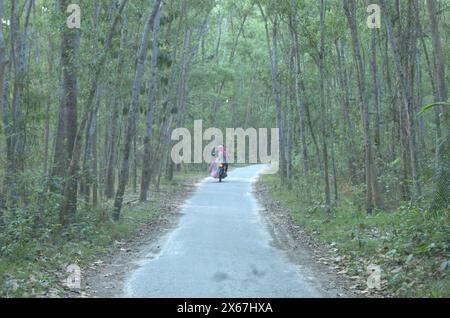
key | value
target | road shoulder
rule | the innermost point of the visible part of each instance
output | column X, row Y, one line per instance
column 316, row 261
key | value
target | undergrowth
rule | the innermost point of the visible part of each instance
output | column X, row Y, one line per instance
column 410, row 244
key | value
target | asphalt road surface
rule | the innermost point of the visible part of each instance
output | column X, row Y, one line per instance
column 221, row 248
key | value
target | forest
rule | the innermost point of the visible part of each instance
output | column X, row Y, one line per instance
column 91, row 90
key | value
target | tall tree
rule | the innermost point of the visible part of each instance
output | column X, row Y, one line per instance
column 3, row 64
column 349, row 8
column 70, row 41
column 298, row 93
column 323, row 108
column 114, row 130
column 146, row 162
column 443, row 172
column 345, row 94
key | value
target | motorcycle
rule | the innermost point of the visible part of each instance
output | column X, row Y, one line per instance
column 218, row 170
column 222, row 172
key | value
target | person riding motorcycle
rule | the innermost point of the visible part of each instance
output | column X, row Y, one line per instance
column 221, row 158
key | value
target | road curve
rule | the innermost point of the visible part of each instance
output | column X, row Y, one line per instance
column 221, row 248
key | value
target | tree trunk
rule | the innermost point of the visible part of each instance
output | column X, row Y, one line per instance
column 181, row 89
column 345, row 93
column 349, row 8
column 134, row 165
column 332, row 143
column 298, row 95
column 3, row 63
column 50, row 58
column 94, row 168
column 68, row 106
column 146, row 164
column 377, row 141
column 91, row 132
column 376, row 90
column 311, row 129
column 114, row 129
column 442, row 177
column 323, row 108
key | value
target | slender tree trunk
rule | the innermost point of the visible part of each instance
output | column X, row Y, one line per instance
column 68, row 107
column 146, row 163
column 349, row 8
column 376, row 90
column 60, row 157
column 313, row 134
column 3, row 63
column 165, row 152
column 169, row 105
column 345, row 93
column 377, row 139
column 442, row 176
column 332, row 143
column 114, row 129
column 91, row 131
column 94, row 169
column 134, row 165
column 277, row 93
column 6, row 118
column 323, row 107
column 298, row 96
column 112, row 151
column 50, row 57
column 180, row 105
column 419, row 83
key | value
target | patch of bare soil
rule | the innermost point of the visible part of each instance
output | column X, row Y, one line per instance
column 320, row 263
column 106, row 277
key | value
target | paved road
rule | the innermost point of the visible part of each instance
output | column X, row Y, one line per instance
column 221, row 248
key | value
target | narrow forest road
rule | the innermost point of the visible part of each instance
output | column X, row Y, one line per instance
column 221, row 248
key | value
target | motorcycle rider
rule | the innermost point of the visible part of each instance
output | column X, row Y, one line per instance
column 222, row 157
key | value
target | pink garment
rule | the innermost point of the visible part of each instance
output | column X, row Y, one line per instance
column 214, row 169
column 222, row 157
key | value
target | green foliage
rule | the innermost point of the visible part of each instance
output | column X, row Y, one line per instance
column 36, row 250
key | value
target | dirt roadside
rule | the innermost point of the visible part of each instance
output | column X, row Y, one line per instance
column 319, row 261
